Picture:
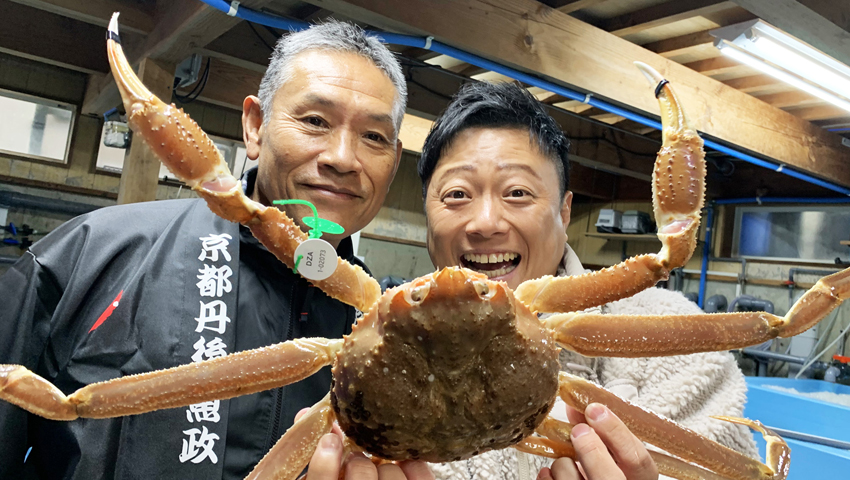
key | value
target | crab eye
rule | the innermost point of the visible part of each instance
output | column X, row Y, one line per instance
column 416, row 295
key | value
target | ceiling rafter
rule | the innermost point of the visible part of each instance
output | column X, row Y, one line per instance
column 659, row 15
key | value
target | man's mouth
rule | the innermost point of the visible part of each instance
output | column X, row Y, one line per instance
column 491, row 264
column 333, row 190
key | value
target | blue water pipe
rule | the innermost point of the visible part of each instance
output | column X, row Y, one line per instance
column 234, row 9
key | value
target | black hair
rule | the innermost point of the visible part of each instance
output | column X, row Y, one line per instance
column 496, row 105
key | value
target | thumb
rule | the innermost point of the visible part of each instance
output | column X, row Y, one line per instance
column 327, row 458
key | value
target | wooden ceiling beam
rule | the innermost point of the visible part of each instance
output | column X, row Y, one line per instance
column 823, row 24
column 569, row 6
column 660, row 15
column 718, row 66
column 182, row 27
column 758, row 84
column 135, row 17
column 822, row 112
column 678, row 45
column 520, row 33
column 795, row 98
column 60, row 41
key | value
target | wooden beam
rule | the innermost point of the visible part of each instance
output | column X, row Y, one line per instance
column 521, row 34
column 660, row 15
column 823, row 24
column 569, row 6
column 140, row 174
column 758, row 84
column 795, row 98
column 182, row 27
column 59, row 41
column 135, row 16
column 721, row 65
column 678, row 45
column 822, row 112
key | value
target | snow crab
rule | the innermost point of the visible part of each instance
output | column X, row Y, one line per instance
column 470, row 366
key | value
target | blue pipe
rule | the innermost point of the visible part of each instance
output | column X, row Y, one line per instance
column 430, row 44
column 706, row 252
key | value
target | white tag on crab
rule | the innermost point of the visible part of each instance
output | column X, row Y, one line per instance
column 318, row 259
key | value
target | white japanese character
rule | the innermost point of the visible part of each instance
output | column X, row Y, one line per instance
column 212, row 349
column 213, row 244
column 204, row 412
column 199, row 440
column 214, row 281
column 209, row 314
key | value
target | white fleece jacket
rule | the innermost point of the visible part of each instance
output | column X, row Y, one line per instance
column 686, row 389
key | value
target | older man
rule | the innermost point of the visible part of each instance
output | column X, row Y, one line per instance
column 117, row 292
column 495, row 176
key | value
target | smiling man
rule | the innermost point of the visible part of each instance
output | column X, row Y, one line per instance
column 495, row 175
column 135, row 288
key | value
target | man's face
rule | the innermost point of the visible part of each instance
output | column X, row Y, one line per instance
column 329, row 139
column 494, row 195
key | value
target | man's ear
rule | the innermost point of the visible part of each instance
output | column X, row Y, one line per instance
column 566, row 209
column 252, row 126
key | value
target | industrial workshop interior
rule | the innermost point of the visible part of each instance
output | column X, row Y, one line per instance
column 99, row 235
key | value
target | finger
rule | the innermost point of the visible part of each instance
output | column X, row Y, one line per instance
column 593, row 455
column 565, row 469
column 416, row 470
column 326, row 459
column 390, row 471
column 628, row 451
column 575, row 416
column 360, row 468
column 301, row 413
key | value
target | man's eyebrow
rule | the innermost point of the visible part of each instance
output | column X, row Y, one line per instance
column 518, row 166
column 460, row 168
column 313, row 98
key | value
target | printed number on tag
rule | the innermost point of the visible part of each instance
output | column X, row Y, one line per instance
column 318, row 259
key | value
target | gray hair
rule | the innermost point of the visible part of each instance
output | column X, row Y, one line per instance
column 333, row 36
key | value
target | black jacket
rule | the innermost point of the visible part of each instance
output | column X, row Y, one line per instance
column 57, row 317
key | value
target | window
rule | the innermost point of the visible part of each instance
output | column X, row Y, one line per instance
column 112, row 159
column 810, row 234
column 35, row 127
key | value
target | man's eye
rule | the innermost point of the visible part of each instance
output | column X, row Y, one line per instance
column 315, row 121
column 376, row 137
column 517, row 193
column 457, row 194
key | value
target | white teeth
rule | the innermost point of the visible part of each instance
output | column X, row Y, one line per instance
column 489, row 258
column 499, row 272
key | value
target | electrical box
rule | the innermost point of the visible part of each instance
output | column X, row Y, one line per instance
column 609, row 221
column 116, row 134
column 635, row 221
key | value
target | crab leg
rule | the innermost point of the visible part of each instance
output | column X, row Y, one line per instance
column 678, row 186
column 679, row 441
column 558, row 431
column 293, row 451
column 190, row 155
column 660, row 335
column 220, row 378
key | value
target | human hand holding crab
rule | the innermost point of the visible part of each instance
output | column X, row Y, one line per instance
column 451, row 364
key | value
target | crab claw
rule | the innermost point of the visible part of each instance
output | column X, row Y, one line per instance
column 678, row 180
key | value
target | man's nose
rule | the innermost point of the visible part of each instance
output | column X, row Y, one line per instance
column 341, row 153
column 488, row 219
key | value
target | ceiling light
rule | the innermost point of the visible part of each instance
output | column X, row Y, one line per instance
column 774, row 52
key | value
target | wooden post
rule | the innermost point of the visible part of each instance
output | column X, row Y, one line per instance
column 140, row 174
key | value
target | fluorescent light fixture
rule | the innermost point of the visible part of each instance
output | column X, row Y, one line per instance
column 774, row 52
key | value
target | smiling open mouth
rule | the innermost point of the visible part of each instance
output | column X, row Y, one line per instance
column 491, row 264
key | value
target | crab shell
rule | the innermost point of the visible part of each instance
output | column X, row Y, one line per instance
column 413, row 381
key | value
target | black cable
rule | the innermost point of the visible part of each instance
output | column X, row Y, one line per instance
column 199, row 87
